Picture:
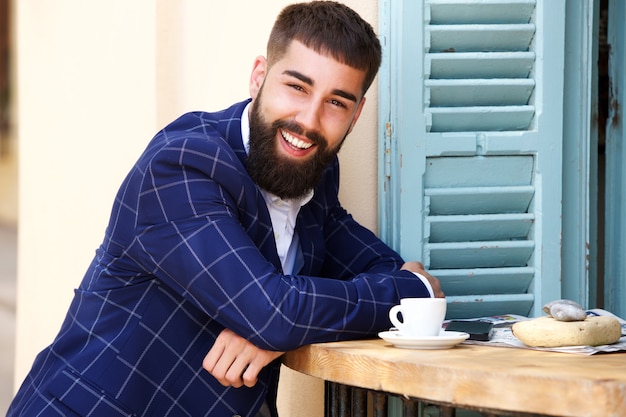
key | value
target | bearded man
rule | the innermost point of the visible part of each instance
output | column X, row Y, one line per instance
column 227, row 246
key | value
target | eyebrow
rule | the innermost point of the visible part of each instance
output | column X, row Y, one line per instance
column 310, row 82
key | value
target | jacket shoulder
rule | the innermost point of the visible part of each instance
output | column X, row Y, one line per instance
column 216, row 133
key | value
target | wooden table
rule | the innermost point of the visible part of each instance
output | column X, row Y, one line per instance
column 496, row 380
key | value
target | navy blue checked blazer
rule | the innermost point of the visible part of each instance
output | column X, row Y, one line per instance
column 189, row 251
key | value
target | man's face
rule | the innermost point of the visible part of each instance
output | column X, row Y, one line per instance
column 303, row 108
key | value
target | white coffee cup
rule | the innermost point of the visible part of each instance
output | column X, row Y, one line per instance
column 421, row 317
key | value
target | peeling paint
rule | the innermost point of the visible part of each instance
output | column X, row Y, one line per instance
column 615, row 111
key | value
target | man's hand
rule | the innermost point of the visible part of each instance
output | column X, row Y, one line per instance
column 235, row 362
column 418, row 267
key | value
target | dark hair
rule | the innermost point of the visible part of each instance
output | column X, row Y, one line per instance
column 329, row 28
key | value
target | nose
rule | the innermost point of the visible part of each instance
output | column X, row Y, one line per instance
column 309, row 115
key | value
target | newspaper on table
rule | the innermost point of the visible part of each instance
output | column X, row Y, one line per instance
column 502, row 335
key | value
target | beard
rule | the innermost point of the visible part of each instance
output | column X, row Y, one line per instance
column 287, row 178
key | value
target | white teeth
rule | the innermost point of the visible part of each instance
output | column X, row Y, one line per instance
column 295, row 141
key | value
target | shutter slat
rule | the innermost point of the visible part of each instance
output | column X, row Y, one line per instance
column 492, row 171
column 486, row 118
column 478, row 227
column 479, row 92
column 493, row 254
column 479, row 65
column 486, row 280
column 479, row 38
column 489, row 305
column 484, row 11
column 478, row 200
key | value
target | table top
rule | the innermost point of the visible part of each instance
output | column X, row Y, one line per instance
column 476, row 376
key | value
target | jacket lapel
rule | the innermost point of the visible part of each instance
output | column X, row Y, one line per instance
column 230, row 128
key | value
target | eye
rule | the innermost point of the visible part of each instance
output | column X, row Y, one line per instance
column 296, row 87
column 337, row 103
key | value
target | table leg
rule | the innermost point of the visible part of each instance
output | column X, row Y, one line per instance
column 410, row 408
column 331, row 405
column 345, row 402
column 380, row 404
column 359, row 402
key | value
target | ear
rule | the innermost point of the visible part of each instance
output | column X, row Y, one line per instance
column 357, row 113
column 258, row 75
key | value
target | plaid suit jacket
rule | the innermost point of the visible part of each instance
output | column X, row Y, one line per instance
column 189, row 251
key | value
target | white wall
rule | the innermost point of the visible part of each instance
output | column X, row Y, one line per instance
column 95, row 81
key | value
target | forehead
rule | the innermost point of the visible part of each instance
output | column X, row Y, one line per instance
column 323, row 70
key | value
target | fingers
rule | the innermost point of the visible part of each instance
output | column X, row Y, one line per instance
column 234, row 375
column 434, row 284
column 213, row 356
column 418, row 267
column 247, row 371
column 251, row 374
column 224, row 360
column 244, row 368
column 261, row 359
column 437, row 291
column 414, row 266
column 234, row 361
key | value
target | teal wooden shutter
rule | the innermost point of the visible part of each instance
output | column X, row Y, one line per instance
column 471, row 125
column 579, row 248
column 615, row 239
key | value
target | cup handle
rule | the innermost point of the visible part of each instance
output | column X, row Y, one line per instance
column 393, row 316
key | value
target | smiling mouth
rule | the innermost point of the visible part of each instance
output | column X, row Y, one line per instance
column 295, row 142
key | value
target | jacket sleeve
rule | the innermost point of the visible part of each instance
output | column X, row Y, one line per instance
column 197, row 229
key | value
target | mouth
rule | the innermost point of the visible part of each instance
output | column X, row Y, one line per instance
column 295, row 143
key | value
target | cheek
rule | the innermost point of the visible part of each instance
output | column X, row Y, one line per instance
column 336, row 131
column 276, row 101
column 276, row 107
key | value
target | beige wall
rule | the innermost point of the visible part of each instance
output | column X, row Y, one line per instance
column 95, row 82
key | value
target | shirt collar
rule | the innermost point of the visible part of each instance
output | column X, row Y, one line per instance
column 245, row 128
column 294, row 202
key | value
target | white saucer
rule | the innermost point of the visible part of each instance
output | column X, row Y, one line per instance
column 445, row 340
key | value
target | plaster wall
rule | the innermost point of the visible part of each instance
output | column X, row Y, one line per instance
column 95, row 81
